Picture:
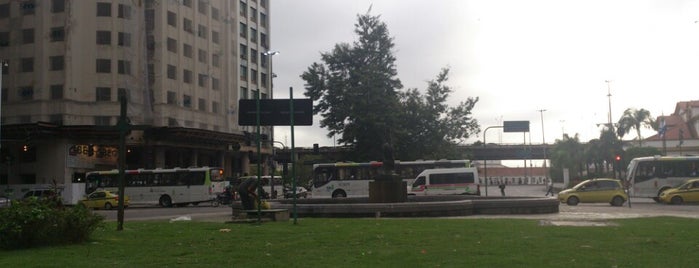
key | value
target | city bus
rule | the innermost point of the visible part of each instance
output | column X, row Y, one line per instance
column 650, row 176
column 350, row 179
column 164, row 187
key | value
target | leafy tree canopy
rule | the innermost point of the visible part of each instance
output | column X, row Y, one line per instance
column 356, row 91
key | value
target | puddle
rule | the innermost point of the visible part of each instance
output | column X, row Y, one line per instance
column 576, row 223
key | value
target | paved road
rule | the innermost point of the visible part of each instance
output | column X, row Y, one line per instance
column 640, row 207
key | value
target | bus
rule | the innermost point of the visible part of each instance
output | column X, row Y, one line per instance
column 164, row 187
column 649, row 176
column 350, row 179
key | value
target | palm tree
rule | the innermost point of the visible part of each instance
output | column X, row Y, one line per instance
column 633, row 118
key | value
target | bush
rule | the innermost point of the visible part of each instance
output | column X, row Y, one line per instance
column 45, row 222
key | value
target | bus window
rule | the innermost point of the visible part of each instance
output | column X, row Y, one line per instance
column 419, row 181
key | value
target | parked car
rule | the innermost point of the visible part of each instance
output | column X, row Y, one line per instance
column 40, row 193
column 686, row 192
column 102, row 199
column 5, row 202
column 600, row 190
column 300, row 192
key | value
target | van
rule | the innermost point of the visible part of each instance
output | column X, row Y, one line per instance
column 444, row 181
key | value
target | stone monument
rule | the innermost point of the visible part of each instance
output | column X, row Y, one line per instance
column 388, row 186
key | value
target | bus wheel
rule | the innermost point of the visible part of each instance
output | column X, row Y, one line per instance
column 617, row 201
column 108, row 206
column 339, row 193
column 165, row 201
column 676, row 200
column 572, row 201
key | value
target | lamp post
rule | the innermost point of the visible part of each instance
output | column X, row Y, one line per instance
column 2, row 69
column 543, row 144
column 269, row 54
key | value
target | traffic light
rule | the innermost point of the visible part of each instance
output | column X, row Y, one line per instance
column 25, row 148
column 316, row 150
column 617, row 158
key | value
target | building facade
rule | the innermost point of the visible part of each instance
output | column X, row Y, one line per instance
column 182, row 66
column 680, row 135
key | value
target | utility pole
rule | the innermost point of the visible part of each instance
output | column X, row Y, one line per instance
column 609, row 97
column 543, row 142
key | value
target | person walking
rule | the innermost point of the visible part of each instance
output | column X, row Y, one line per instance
column 502, row 188
column 549, row 189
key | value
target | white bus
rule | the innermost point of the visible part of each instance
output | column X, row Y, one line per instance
column 164, row 187
column 443, row 181
column 350, row 179
column 650, row 176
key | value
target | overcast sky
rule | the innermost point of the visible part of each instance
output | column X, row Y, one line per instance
column 518, row 57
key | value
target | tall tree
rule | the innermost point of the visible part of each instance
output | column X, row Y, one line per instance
column 634, row 119
column 567, row 153
column 356, row 89
column 432, row 127
column 356, row 92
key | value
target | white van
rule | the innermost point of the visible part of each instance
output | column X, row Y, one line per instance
column 442, row 181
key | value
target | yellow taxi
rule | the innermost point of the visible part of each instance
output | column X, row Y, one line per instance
column 687, row 192
column 598, row 190
column 102, row 199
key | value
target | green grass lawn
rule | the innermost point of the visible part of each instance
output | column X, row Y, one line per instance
column 647, row 242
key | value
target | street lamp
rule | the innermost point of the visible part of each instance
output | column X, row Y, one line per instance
column 269, row 54
column 543, row 144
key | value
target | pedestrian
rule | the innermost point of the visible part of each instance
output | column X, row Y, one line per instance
column 549, row 188
column 502, row 188
column 248, row 193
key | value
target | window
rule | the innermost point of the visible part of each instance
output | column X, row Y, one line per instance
column 104, row 37
column 27, row 7
column 243, row 9
column 216, row 60
column 215, row 83
column 56, row 119
column 4, row 39
column 188, row 26
column 103, row 94
column 202, row 56
column 172, row 45
column 263, row 19
column 172, row 19
column 264, row 59
column 202, row 105
column 6, row 69
column 102, row 120
column 104, row 9
column 243, row 92
column 4, row 95
column 150, row 19
column 57, row 34
column 171, row 72
column 263, row 3
column 56, row 92
column 124, row 39
column 187, row 101
column 124, row 67
column 203, row 80
column 243, row 30
column 187, row 3
column 104, row 66
column 243, row 52
column 187, row 76
column 202, row 31
column 215, row 107
column 124, row 12
column 263, row 79
column 202, row 7
column 27, row 65
column 263, row 40
column 253, row 35
column 58, row 6
column 171, row 97
column 253, row 56
column 28, row 36
column 56, row 63
column 4, row 11
column 187, row 50
column 215, row 37
column 253, row 76
column 26, row 93
column 243, row 72
column 253, row 14
column 215, row 14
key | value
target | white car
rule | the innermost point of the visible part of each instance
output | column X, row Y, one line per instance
column 5, row 202
column 300, row 192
